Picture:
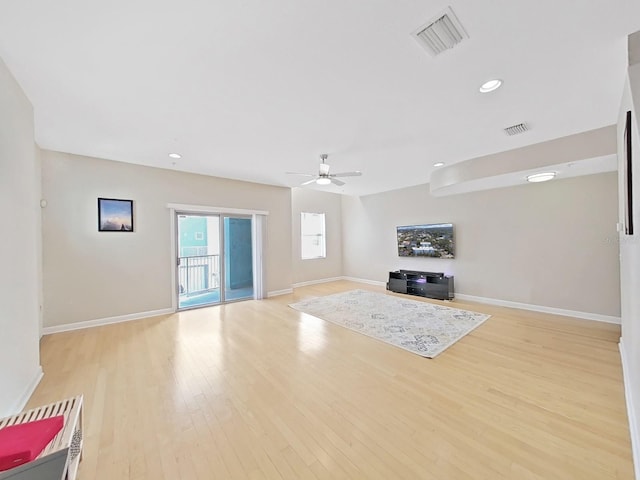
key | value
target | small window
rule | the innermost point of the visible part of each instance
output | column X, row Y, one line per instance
column 313, row 243
column 199, row 236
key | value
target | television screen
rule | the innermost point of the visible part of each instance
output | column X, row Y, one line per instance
column 432, row 240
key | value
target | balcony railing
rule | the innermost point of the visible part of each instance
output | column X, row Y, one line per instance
column 198, row 274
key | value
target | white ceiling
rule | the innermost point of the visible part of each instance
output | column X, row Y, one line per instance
column 250, row 89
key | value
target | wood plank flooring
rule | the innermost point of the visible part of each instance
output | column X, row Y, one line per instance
column 257, row 390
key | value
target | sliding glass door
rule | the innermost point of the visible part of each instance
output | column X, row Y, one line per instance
column 214, row 259
column 238, row 258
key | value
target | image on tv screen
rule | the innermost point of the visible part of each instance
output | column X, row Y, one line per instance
column 432, row 240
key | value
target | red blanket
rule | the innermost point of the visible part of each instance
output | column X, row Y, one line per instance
column 22, row 443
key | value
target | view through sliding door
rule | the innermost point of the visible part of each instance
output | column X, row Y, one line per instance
column 238, row 258
column 214, row 259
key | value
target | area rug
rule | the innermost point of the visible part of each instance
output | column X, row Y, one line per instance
column 419, row 327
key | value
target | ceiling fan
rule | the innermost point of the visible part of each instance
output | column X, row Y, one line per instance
column 324, row 177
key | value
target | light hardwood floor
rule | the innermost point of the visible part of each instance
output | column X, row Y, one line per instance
column 257, row 390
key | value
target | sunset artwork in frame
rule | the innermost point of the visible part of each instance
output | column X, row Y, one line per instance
column 115, row 215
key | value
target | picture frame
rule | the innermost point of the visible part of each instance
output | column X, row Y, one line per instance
column 628, row 178
column 115, row 215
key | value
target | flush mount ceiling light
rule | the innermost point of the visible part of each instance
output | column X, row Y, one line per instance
column 323, row 181
column 541, row 177
column 438, row 164
column 490, row 86
column 175, row 155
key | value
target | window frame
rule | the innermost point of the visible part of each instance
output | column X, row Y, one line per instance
column 321, row 236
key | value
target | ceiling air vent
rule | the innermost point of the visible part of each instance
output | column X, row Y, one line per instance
column 441, row 33
column 516, row 129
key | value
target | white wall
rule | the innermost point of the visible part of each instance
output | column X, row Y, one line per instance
column 630, row 263
column 551, row 244
column 314, row 201
column 19, row 244
column 91, row 275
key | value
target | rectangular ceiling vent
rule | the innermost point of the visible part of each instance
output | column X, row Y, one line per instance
column 441, row 33
column 516, row 129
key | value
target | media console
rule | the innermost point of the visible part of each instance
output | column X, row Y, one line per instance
column 423, row 284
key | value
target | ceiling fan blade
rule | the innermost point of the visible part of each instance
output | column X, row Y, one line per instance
column 303, row 174
column 309, row 181
column 336, row 182
column 347, row 174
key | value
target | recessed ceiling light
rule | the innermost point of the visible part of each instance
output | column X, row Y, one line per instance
column 490, row 86
column 323, row 181
column 438, row 164
column 175, row 155
column 541, row 177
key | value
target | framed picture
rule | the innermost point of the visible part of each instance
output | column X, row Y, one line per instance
column 628, row 178
column 115, row 215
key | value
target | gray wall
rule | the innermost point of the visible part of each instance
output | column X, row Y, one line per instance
column 551, row 244
column 630, row 261
column 313, row 201
column 20, row 285
column 90, row 275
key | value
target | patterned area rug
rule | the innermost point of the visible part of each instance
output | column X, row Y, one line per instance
column 422, row 328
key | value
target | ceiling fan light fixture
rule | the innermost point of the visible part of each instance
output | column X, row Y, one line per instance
column 324, row 177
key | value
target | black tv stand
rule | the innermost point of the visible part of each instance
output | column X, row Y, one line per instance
column 424, row 284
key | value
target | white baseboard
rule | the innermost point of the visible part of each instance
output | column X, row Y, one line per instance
column 316, row 282
column 276, row 293
column 20, row 403
column 491, row 301
column 337, row 279
column 364, row 280
column 105, row 321
column 539, row 308
column 634, row 428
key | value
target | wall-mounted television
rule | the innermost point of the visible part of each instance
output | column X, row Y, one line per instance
column 433, row 240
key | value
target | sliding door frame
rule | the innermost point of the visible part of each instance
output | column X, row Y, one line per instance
column 258, row 224
column 176, row 260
